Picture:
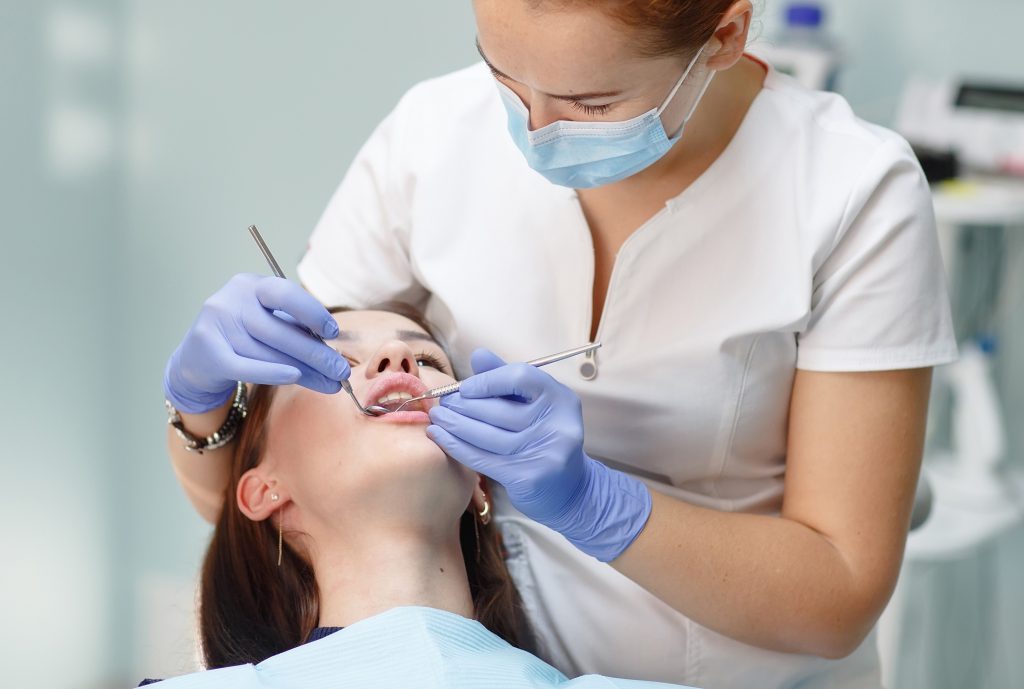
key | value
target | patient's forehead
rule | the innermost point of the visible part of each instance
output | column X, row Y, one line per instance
column 376, row 326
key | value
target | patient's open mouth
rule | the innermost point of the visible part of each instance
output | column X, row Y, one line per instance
column 393, row 400
column 392, row 390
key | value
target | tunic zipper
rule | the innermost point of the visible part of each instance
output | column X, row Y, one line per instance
column 589, row 367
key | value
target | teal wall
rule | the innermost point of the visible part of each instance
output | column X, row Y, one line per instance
column 57, row 200
column 139, row 139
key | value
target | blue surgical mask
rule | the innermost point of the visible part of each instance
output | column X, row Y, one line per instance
column 582, row 155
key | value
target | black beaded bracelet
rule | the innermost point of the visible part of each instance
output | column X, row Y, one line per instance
column 223, row 435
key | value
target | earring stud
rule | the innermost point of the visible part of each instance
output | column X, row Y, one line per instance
column 274, row 497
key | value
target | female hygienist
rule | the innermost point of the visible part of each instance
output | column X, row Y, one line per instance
column 767, row 287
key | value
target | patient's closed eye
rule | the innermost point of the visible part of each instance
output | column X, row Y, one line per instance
column 425, row 359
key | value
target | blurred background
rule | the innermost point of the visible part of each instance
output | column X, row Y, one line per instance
column 140, row 138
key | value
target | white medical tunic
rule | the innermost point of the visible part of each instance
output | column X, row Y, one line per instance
column 809, row 244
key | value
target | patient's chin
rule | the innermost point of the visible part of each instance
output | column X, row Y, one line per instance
column 419, row 464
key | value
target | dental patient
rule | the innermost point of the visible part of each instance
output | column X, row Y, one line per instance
column 351, row 552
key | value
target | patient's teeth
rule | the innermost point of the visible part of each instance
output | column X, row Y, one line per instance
column 394, row 396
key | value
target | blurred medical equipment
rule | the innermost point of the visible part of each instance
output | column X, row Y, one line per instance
column 940, row 627
column 980, row 120
column 804, row 49
column 543, row 361
column 372, row 410
column 979, row 434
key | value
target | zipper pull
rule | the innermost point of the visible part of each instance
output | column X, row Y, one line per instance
column 588, row 369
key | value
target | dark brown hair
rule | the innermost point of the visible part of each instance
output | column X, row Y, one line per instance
column 661, row 27
column 251, row 609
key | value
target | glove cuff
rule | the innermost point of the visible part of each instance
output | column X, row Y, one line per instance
column 177, row 393
column 609, row 512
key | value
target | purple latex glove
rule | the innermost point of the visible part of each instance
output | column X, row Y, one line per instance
column 247, row 331
column 522, row 428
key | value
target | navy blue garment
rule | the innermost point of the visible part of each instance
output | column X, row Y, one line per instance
column 315, row 635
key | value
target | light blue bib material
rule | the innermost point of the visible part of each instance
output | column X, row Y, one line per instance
column 404, row 647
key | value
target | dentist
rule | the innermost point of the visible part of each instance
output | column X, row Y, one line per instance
column 720, row 495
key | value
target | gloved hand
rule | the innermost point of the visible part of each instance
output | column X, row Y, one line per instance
column 237, row 336
column 520, row 427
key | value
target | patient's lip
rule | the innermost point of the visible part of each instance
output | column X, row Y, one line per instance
column 404, row 416
column 399, row 382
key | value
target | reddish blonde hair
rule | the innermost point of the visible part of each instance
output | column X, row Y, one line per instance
column 662, row 27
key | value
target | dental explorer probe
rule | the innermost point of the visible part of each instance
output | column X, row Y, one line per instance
column 372, row 410
column 543, row 361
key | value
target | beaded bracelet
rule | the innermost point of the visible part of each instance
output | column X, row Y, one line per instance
column 223, row 435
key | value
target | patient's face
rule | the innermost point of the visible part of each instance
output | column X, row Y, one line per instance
column 342, row 468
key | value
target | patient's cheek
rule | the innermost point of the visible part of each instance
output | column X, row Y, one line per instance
column 305, row 419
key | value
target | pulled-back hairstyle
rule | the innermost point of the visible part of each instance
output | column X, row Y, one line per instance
column 661, row 27
column 251, row 609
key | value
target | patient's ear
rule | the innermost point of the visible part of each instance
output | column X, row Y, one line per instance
column 481, row 494
column 257, row 496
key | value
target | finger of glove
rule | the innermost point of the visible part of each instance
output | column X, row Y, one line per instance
column 297, row 344
column 237, row 367
column 512, row 380
column 482, row 435
column 485, row 360
column 279, row 294
column 508, row 414
column 186, row 396
column 254, row 350
column 478, row 460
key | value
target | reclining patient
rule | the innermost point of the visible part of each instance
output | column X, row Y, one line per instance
column 351, row 552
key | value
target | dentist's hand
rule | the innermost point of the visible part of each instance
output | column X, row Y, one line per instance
column 520, row 427
column 237, row 336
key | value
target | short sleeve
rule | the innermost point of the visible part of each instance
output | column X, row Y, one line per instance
column 879, row 299
column 358, row 254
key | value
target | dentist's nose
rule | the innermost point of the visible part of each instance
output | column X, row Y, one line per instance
column 393, row 357
column 542, row 113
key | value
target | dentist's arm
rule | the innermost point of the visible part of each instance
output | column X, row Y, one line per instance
column 816, row 578
column 240, row 335
column 203, row 476
column 813, row 580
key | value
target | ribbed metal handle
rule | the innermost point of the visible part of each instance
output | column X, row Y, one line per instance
column 444, row 389
column 543, row 361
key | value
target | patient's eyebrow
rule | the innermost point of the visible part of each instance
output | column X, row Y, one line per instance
column 403, row 335
column 413, row 336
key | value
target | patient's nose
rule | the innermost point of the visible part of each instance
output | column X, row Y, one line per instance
column 393, row 357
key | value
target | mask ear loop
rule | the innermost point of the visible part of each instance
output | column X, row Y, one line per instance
column 679, row 84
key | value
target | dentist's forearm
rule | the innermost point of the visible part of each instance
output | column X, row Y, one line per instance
column 203, row 476
column 815, row 579
column 767, row 581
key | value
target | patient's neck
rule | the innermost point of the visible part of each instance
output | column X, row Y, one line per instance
column 374, row 572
